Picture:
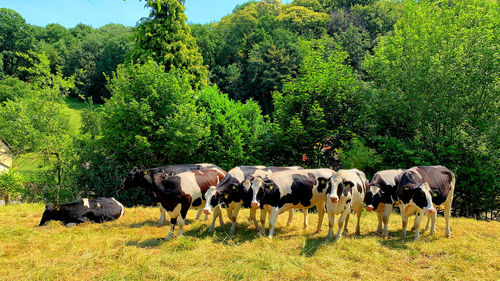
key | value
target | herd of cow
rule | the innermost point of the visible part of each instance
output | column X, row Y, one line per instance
column 274, row 190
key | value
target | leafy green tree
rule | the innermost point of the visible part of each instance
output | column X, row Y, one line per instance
column 316, row 111
column 436, row 96
column 11, row 88
column 237, row 130
column 11, row 184
column 166, row 38
column 151, row 118
column 15, row 36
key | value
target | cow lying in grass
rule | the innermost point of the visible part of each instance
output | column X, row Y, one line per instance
column 96, row 210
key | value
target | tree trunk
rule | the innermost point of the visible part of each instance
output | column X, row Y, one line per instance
column 7, row 199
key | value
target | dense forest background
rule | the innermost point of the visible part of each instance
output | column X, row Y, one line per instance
column 318, row 83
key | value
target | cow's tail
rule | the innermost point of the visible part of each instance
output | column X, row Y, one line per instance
column 453, row 182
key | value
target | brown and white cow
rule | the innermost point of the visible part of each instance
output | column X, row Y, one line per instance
column 346, row 193
column 422, row 188
column 231, row 192
column 138, row 178
column 381, row 196
column 178, row 193
column 301, row 189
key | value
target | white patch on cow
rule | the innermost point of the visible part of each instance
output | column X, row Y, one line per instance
column 86, row 202
column 120, row 204
column 427, row 190
column 176, row 212
column 70, row 224
column 208, row 197
column 190, row 186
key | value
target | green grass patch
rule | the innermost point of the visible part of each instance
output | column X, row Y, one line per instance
column 132, row 248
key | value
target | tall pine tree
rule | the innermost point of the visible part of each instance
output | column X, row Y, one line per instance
column 165, row 38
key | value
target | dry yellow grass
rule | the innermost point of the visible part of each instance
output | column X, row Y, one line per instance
column 130, row 249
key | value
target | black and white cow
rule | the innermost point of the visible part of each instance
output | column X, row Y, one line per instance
column 346, row 193
column 96, row 210
column 231, row 192
column 258, row 176
column 137, row 178
column 301, row 189
column 381, row 196
column 422, row 188
column 178, row 193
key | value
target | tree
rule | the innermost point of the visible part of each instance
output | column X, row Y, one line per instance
column 237, row 130
column 316, row 112
column 165, row 38
column 436, row 96
column 151, row 118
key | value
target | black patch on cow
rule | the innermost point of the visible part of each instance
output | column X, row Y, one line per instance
column 344, row 187
column 438, row 178
column 196, row 202
column 322, row 184
column 360, row 189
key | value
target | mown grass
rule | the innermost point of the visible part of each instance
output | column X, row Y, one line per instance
column 132, row 249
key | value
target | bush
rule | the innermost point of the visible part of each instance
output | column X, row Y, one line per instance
column 11, row 184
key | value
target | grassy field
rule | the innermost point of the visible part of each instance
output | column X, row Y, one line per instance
column 131, row 249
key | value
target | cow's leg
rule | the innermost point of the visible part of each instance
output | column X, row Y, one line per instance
column 253, row 217
column 217, row 213
column 346, row 222
column 176, row 212
column 343, row 216
column 173, row 222
column 379, row 226
column 275, row 211
column 305, row 217
column 198, row 214
column 447, row 209
column 331, row 222
column 427, row 224
column 404, row 220
column 290, row 217
column 433, row 223
column 263, row 214
column 321, row 213
column 418, row 222
column 182, row 220
column 162, row 215
column 358, row 216
column 385, row 219
column 233, row 219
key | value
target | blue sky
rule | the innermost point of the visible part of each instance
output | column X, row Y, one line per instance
column 101, row 12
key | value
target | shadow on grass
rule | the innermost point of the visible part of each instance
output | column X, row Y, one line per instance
column 221, row 235
column 395, row 241
column 147, row 223
column 312, row 244
column 146, row 244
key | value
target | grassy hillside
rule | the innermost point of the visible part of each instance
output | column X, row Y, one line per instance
column 130, row 249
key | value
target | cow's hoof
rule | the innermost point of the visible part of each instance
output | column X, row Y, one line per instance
column 385, row 236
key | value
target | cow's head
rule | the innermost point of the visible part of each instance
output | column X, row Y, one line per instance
column 51, row 212
column 419, row 194
column 256, row 186
column 373, row 197
column 133, row 178
column 339, row 188
column 212, row 198
column 230, row 189
column 267, row 192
